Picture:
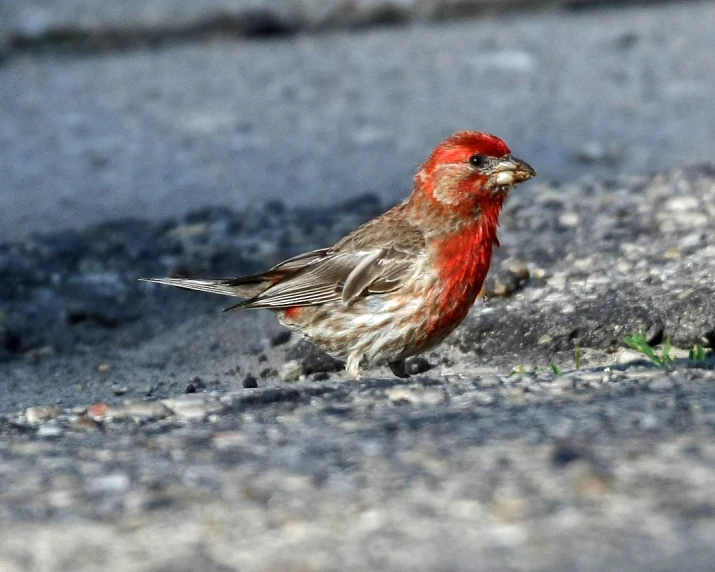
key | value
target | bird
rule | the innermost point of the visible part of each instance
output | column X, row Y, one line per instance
column 399, row 284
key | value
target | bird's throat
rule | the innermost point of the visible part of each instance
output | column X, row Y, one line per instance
column 463, row 261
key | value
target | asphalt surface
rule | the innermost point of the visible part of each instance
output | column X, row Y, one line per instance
column 314, row 119
column 143, row 430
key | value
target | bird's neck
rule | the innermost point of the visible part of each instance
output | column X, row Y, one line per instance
column 463, row 235
column 465, row 255
column 466, row 220
column 462, row 261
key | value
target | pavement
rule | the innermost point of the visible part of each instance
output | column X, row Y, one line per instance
column 311, row 119
column 144, row 430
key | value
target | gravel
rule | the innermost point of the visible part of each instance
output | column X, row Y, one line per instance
column 537, row 473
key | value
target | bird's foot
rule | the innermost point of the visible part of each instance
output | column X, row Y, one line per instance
column 352, row 366
column 399, row 368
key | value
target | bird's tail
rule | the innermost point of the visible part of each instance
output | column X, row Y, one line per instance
column 224, row 287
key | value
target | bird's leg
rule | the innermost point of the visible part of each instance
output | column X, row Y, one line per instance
column 399, row 368
column 353, row 365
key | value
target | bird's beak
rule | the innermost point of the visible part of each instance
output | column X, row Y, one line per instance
column 510, row 170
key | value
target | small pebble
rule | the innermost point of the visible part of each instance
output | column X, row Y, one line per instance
column 291, row 371
column 250, row 382
column 195, row 385
column 137, row 411
column 545, row 340
column 484, row 399
column 49, row 430
column 672, row 253
column 569, row 220
column 401, row 395
column 40, row 413
column 190, row 407
column 112, row 483
column 119, row 389
column 682, row 204
column 35, row 355
column 566, row 453
column 97, row 410
column 282, row 337
column 625, row 355
column 84, row 423
column 489, row 381
column 516, row 267
column 691, row 241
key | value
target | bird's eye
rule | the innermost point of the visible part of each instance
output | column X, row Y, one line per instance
column 477, row 160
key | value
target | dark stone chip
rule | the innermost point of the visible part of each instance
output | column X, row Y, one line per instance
column 418, row 365
column 281, row 338
column 313, row 359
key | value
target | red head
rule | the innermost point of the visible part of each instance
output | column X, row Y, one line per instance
column 470, row 172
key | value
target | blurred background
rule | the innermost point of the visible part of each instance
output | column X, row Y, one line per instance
column 151, row 109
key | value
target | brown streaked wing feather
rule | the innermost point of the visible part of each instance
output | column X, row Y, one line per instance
column 315, row 284
column 301, row 260
column 400, row 241
column 373, row 259
column 364, row 274
column 378, row 274
column 391, row 278
column 282, row 269
column 343, row 276
column 217, row 286
column 391, row 230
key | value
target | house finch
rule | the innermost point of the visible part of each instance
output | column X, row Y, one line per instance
column 401, row 283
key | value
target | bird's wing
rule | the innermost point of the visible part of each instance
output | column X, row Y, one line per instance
column 281, row 270
column 284, row 268
column 373, row 259
column 344, row 276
